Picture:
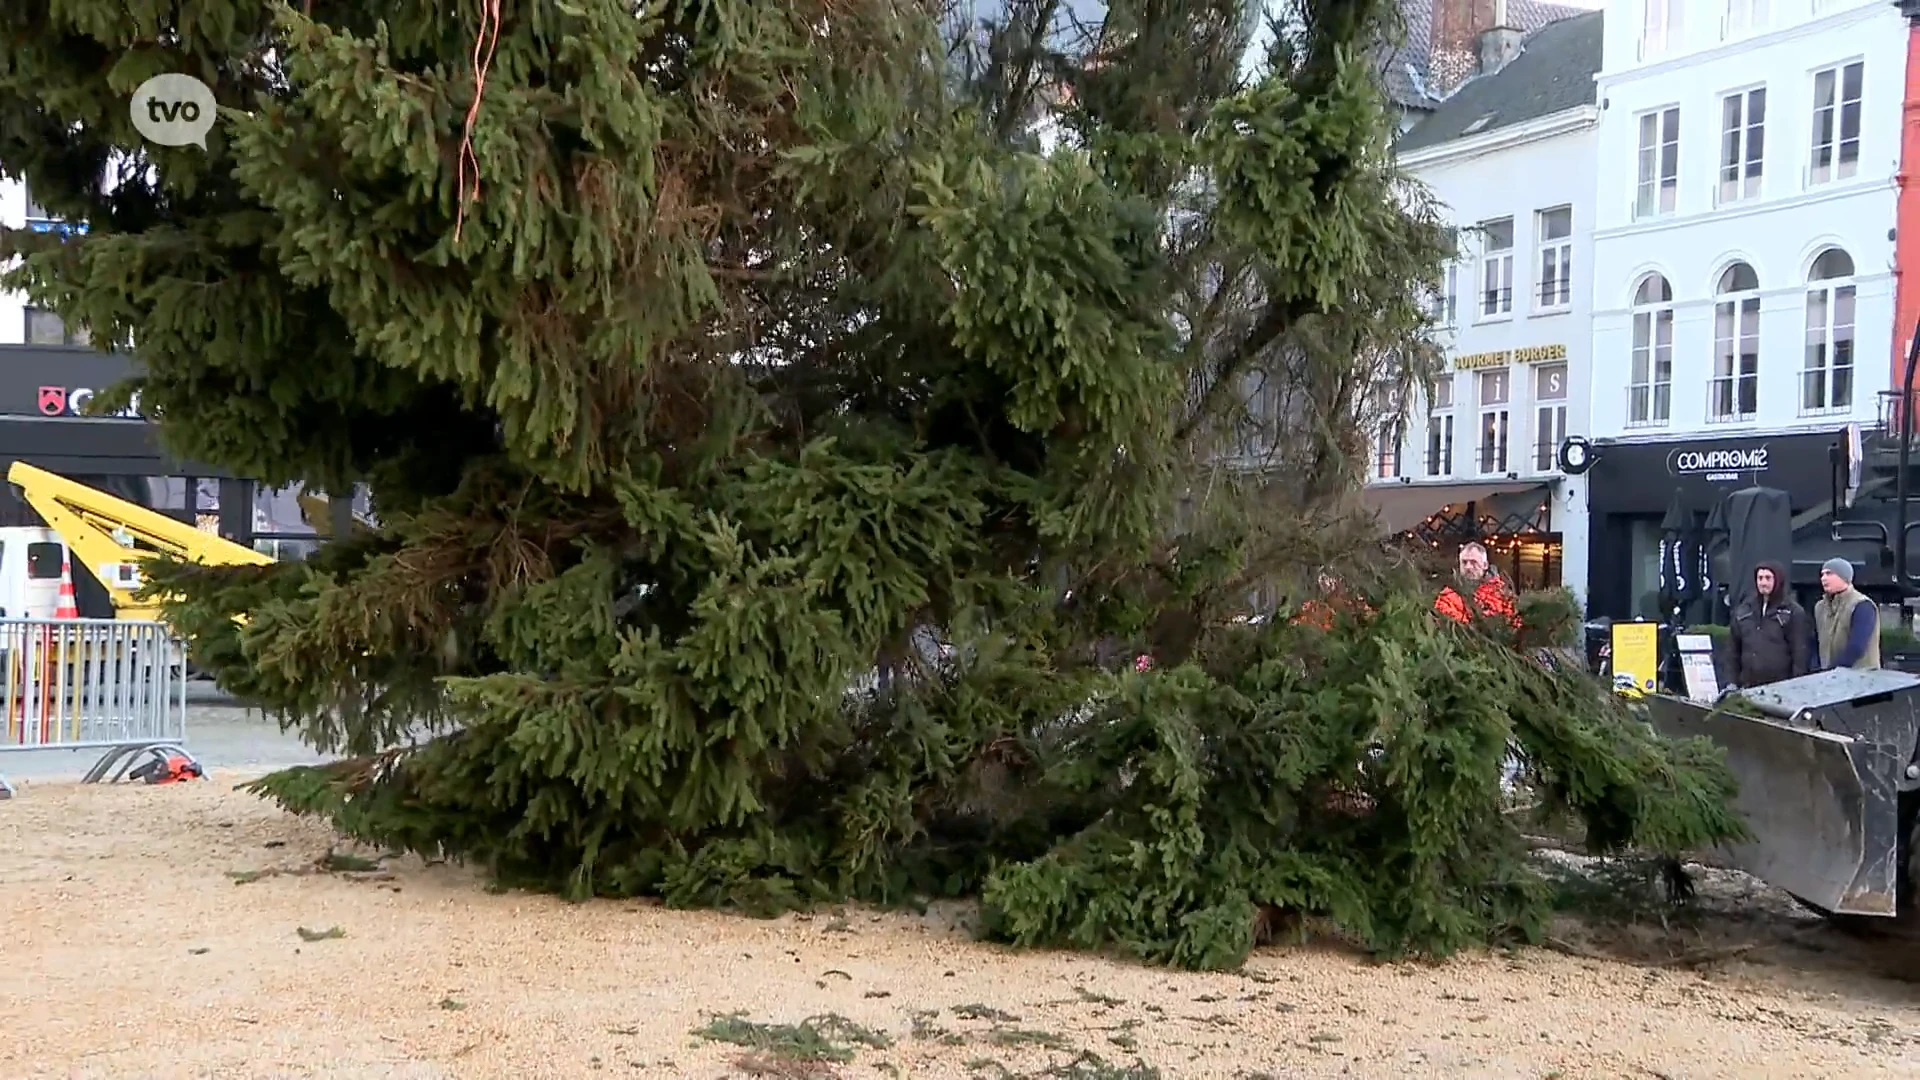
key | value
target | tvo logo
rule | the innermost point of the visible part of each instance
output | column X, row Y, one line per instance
column 166, row 112
column 174, row 110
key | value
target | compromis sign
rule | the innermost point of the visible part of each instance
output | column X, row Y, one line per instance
column 1717, row 464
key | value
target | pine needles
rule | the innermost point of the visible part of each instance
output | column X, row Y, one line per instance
column 779, row 472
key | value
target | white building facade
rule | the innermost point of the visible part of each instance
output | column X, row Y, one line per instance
column 1741, row 285
column 21, row 324
column 1511, row 157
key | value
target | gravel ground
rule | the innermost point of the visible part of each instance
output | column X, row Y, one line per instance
column 186, row 931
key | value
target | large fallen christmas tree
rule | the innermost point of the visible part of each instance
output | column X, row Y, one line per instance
column 788, row 422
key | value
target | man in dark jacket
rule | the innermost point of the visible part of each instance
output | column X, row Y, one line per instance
column 1772, row 635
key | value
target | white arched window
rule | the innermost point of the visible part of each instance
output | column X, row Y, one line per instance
column 1826, row 382
column 1650, row 379
column 1734, row 393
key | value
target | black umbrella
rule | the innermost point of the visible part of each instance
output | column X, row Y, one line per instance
column 1677, row 585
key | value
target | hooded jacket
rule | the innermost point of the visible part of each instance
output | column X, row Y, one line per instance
column 1772, row 636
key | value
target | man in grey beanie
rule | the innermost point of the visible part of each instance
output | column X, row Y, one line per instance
column 1847, row 623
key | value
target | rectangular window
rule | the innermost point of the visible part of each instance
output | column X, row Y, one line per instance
column 1440, row 428
column 43, row 561
column 1496, row 268
column 1827, row 380
column 1743, row 119
column 35, row 212
column 1743, row 17
column 1735, row 391
column 1661, row 30
column 1554, row 228
column 1446, row 298
column 1494, row 421
column 45, row 328
column 1386, row 456
column 1658, row 188
column 1650, row 385
column 1836, row 123
column 1550, row 417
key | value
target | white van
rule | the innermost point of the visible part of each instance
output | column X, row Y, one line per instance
column 30, row 561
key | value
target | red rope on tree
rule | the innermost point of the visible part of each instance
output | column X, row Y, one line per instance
column 483, row 42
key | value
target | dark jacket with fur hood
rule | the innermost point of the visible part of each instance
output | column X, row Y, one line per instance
column 1772, row 636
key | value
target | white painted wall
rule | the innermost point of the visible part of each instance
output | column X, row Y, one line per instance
column 1779, row 230
column 1514, row 172
column 13, row 214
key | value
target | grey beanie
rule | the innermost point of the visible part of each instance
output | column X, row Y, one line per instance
column 1841, row 568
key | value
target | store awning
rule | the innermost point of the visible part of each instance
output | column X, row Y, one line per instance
column 1402, row 506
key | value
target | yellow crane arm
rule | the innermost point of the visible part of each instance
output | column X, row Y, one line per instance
column 112, row 536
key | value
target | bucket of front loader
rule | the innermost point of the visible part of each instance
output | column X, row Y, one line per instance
column 1822, row 762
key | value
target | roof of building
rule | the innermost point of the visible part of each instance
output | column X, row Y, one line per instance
column 1408, row 68
column 1554, row 72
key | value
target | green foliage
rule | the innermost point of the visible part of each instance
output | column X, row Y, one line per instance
column 1897, row 639
column 1719, row 634
column 780, row 456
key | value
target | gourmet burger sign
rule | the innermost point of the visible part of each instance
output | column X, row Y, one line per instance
column 1717, row 463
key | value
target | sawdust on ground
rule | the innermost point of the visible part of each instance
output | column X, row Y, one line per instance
column 130, row 949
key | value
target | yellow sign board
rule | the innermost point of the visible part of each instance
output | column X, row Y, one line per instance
column 1636, row 657
column 1536, row 354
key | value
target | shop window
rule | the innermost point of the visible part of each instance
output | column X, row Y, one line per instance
column 1550, row 414
column 1440, row 428
column 1495, row 420
column 1734, row 393
column 1826, row 379
column 1650, row 374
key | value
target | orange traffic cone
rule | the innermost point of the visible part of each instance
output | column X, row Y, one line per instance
column 67, row 608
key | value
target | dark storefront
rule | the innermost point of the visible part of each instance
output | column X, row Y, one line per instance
column 44, row 391
column 1641, row 494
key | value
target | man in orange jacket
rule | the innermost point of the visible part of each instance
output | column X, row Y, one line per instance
column 1490, row 592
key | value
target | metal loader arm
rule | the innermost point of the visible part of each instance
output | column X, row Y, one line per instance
column 103, row 532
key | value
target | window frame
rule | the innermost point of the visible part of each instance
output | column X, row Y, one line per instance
column 1549, row 416
column 1495, row 262
column 69, row 338
column 1740, row 309
column 1838, row 167
column 1656, row 187
column 1440, row 429
column 1560, row 246
column 1658, row 315
column 1493, row 449
column 1662, row 28
column 1386, row 455
column 34, row 211
column 1828, row 293
column 1747, row 180
column 1740, row 18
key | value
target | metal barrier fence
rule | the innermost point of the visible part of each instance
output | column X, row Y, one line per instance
column 118, row 686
